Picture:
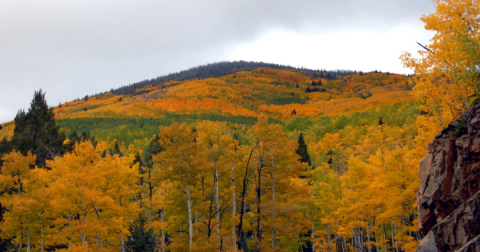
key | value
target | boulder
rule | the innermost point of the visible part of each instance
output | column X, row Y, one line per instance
column 448, row 196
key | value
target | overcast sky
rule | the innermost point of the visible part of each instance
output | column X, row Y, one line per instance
column 74, row 48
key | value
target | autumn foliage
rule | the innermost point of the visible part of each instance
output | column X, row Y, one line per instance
column 215, row 164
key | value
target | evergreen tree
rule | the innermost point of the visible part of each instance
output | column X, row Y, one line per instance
column 75, row 139
column 380, row 122
column 153, row 148
column 36, row 131
column 141, row 239
column 116, row 150
column 302, row 151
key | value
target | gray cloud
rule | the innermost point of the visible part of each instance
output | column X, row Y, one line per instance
column 74, row 48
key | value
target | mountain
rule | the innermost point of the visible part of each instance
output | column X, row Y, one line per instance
column 283, row 93
column 212, row 163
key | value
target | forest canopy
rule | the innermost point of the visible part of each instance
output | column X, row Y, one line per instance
column 239, row 156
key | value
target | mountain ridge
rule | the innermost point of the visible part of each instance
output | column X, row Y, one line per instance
column 282, row 94
column 217, row 69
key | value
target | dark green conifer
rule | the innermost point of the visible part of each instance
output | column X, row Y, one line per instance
column 302, row 151
column 36, row 131
column 116, row 149
column 137, row 159
column 141, row 239
column 153, row 148
column 5, row 147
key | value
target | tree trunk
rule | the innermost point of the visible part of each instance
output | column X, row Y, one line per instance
column 162, row 218
column 150, row 195
column 396, row 243
column 329, row 234
column 82, row 234
column 70, row 227
column 273, row 207
column 28, row 237
column 368, row 238
column 121, row 233
column 190, row 224
column 244, row 190
column 217, row 202
column 234, row 205
column 42, row 243
column 21, row 244
column 122, row 243
column 300, row 242
column 259, row 210
column 313, row 236
column 385, row 235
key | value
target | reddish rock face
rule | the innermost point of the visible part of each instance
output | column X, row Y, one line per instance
column 449, row 197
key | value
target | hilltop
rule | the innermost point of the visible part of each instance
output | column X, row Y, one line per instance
column 132, row 114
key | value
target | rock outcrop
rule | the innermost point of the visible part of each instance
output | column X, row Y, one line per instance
column 449, row 196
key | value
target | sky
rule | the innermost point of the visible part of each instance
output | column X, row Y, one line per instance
column 74, row 48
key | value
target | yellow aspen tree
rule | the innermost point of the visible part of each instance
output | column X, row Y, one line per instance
column 20, row 206
column 92, row 196
column 181, row 164
column 223, row 154
column 215, row 146
column 276, row 162
column 446, row 74
column 235, row 160
column 326, row 192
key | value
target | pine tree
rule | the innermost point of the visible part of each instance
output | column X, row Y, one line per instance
column 153, row 148
column 302, row 151
column 380, row 121
column 116, row 150
column 36, row 131
column 141, row 239
column 5, row 147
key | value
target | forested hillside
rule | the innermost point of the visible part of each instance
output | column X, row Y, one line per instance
column 266, row 159
column 283, row 95
column 241, row 157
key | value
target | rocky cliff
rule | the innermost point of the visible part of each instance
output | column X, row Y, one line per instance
column 449, row 196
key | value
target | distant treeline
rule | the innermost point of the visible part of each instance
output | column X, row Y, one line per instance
column 221, row 69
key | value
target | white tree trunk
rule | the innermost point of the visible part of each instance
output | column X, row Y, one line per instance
column 190, row 224
column 273, row 207
column 217, row 201
column 313, row 236
column 234, row 207
column 162, row 218
column 28, row 237
column 82, row 234
column 42, row 243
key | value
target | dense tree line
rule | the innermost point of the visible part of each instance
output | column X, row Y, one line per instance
column 220, row 69
column 212, row 187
